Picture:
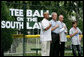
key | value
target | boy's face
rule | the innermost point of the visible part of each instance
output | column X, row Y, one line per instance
column 75, row 25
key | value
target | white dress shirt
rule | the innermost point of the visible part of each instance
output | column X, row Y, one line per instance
column 62, row 31
column 75, row 39
column 45, row 35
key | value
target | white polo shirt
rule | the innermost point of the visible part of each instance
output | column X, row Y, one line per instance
column 62, row 31
column 75, row 39
column 45, row 35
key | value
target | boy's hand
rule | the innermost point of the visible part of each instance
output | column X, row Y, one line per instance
column 80, row 38
column 76, row 31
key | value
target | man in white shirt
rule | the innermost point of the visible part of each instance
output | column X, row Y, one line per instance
column 62, row 33
column 74, row 33
column 45, row 35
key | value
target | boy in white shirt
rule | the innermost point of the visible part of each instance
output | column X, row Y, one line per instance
column 45, row 35
column 74, row 33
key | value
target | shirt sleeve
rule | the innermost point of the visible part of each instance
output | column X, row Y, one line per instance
column 66, row 29
column 44, row 25
column 79, row 31
column 70, row 31
column 63, row 29
column 50, row 22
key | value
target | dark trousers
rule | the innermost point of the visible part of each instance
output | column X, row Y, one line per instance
column 54, row 47
column 62, row 48
column 78, row 47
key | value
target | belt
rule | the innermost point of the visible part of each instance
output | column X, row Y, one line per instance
column 54, row 33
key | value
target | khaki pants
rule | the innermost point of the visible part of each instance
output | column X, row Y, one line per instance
column 45, row 47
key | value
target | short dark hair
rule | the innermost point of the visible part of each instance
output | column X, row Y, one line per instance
column 74, row 22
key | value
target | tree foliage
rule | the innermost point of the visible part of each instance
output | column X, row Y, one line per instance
column 6, row 34
column 67, row 8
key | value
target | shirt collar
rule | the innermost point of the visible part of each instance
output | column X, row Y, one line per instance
column 45, row 18
column 74, row 28
column 60, row 22
column 54, row 20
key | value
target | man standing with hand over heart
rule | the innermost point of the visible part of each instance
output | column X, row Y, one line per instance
column 45, row 35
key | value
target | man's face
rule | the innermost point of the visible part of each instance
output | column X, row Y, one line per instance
column 61, row 18
column 46, row 15
column 54, row 16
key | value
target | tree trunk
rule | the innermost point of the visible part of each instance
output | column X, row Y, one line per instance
column 2, row 53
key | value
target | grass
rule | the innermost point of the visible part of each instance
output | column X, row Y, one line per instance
column 28, row 47
column 67, row 53
column 34, row 54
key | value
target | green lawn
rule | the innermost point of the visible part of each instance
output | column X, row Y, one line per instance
column 28, row 46
column 33, row 54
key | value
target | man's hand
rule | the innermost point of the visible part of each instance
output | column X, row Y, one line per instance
column 57, row 26
column 49, row 25
column 51, row 41
column 54, row 27
column 64, row 27
column 66, row 32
